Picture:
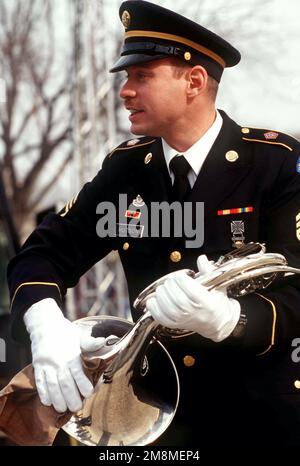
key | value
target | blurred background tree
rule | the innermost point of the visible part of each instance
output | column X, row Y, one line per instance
column 35, row 118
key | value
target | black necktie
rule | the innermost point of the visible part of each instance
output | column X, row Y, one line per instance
column 181, row 187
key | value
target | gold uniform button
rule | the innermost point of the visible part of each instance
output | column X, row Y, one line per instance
column 175, row 256
column 297, row 384
column 187, row 56
column 231, row 156
column 188, row 360
column 245, row 130
column 125, row 246
column 148, row 158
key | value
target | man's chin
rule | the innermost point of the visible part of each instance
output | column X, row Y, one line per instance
column 138, row 130
column 142, row 131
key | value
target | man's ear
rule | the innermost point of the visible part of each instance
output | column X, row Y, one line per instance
column 197, row 81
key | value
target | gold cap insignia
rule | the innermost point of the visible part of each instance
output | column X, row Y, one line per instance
column 126, row 18
column 231, row 156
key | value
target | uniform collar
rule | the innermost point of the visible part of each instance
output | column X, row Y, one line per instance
column 198, row 152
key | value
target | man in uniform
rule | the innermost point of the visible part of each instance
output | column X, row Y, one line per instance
column 239, row 384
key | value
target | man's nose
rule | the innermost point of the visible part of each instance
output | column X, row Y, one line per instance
column 127, row 91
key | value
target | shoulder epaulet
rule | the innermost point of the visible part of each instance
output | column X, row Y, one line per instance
column 268, row 136
column 133, row 144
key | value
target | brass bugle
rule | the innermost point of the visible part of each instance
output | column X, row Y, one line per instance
column 137, row 394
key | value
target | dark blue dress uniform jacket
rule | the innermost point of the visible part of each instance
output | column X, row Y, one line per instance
column 243, row 391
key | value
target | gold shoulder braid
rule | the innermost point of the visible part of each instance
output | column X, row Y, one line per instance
column 133, row 144
column 267, row 136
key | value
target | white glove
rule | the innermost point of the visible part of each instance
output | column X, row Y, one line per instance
column 56, row 345
column 181, row 302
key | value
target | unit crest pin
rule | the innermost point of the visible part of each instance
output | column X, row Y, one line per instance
column 138, row 201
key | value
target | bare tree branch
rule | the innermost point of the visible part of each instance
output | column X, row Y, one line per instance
column 33, row 204
column 26, row 120
column 47, row 150
column 30, row 120
column 26, row 149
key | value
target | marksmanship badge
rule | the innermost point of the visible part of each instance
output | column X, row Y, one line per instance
column 237, row 230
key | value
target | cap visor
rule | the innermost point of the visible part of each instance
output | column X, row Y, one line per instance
column 134, row 59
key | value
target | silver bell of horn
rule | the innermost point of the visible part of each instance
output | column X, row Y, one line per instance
column 137, row 394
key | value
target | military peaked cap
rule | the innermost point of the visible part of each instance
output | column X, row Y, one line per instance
column 153, row 32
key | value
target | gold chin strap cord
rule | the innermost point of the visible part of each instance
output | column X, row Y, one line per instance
column 181, row 40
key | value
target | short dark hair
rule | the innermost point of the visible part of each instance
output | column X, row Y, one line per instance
column 213, row 87
column 212, row 84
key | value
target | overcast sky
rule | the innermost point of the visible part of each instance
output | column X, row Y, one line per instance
column 264, row 89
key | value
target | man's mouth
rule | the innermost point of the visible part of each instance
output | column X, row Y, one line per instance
column 134, row 113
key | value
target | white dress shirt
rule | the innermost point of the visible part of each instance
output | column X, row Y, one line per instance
column 197, row 153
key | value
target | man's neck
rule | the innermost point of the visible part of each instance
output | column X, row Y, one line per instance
column 183, row 138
